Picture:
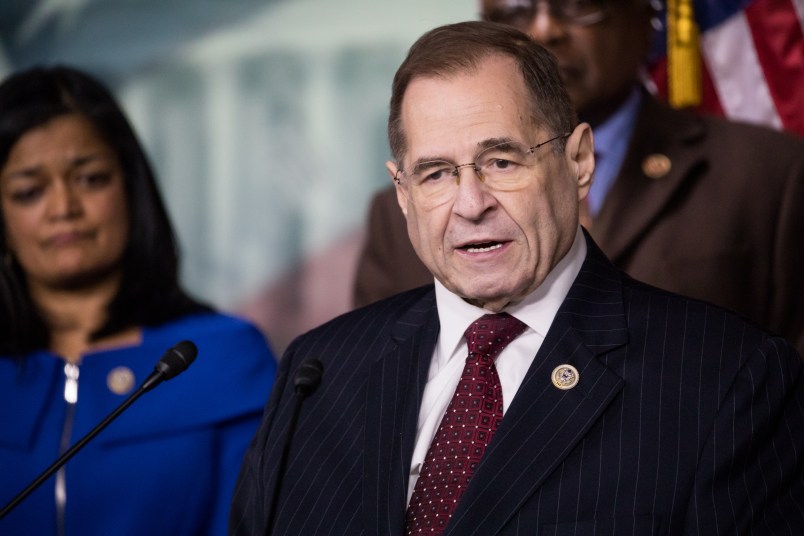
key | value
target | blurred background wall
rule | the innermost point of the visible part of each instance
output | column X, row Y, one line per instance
column 264, row 120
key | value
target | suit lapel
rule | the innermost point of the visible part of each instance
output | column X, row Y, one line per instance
column 637, row 200
column 395, row 387
column 544, row 423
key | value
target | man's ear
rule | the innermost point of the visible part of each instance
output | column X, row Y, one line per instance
column 580, row 153
column 401, row 196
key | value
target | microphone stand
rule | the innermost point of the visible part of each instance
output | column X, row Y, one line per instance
column 175, row 361
column 69, row 453
column 308, row 376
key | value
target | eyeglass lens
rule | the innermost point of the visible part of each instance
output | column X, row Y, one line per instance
column 520, row 13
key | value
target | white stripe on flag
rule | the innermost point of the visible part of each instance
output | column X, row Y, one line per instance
column 799, row 7
column 728, row 50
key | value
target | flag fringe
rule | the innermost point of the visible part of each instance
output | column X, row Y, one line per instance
column 683, row 55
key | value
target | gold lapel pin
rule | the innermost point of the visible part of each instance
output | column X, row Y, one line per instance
column 656, row 166
column 565, row 377
column 120, row 380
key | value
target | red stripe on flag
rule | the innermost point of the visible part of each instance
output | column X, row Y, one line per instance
column 658, row 73
column 779, row 42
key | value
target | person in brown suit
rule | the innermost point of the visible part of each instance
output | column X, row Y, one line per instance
column 697, row 205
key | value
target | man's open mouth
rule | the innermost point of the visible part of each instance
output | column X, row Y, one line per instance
column 482, row 247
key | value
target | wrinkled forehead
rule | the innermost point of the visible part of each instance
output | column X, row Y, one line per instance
column 458, row 112
column 500, row 73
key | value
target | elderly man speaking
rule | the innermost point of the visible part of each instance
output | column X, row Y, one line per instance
column 534, row 388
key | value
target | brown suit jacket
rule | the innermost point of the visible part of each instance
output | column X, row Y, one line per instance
column 724, row 223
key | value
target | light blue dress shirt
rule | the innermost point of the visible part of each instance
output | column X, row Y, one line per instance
column 611, row 142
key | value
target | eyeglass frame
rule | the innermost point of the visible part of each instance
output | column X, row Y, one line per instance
column 553, row 6
column 456, row 168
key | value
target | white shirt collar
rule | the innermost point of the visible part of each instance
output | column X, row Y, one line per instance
column 537, row 310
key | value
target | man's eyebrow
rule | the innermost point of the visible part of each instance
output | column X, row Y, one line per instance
column 424, row 161
column 492, row 142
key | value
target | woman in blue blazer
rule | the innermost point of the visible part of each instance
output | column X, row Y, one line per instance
column 89, row 300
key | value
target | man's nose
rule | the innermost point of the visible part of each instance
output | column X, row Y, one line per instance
column 473, row 196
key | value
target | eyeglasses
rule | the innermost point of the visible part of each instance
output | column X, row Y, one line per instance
column 520, row 13
column 502, row 167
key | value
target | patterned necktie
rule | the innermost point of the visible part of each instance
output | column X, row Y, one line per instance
column 467, row 427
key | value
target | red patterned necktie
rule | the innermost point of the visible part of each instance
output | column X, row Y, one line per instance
column 467, row 427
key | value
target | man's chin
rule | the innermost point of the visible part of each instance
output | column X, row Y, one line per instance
column 493, row 299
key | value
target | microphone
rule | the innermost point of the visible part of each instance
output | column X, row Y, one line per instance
column 305, row 382
column 175, row 361
column 308, row 377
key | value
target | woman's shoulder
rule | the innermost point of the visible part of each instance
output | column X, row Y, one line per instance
column 224, row 342
column 204, row 322
column 214, row 329
column 229, row 379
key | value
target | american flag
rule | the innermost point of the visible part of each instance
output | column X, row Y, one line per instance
column 752, row 60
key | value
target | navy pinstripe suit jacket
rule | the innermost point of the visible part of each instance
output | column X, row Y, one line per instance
column 686, row 420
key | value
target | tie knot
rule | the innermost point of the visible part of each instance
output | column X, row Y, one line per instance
column 489, row 334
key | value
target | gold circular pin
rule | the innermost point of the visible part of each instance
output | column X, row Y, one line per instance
column 120, row 380
column 656, row 166
column 565, row 377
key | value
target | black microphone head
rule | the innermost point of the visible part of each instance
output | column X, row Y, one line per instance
column 177, row 359
column 308, row 376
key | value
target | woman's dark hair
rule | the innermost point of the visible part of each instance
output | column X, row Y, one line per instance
column 149, row 292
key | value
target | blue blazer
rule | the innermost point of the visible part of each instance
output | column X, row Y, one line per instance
column 167, row 466
column 686, row 420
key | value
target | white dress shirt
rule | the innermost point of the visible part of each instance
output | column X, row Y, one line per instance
column 536, row 311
